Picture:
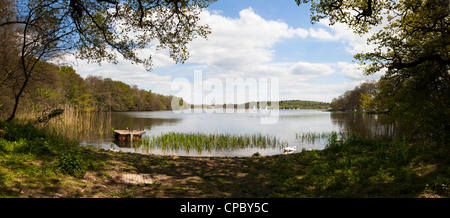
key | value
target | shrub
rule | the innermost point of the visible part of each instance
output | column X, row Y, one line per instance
column 72, row 163
column 14, row 132
column 441, row 185
column 6, row 146
column 20, row 145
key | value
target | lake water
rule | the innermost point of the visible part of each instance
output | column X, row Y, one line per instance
column 286, row 125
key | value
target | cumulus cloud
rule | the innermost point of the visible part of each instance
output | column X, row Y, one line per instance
column 322, row 34
column 237, row 43
column 353, row 72
column 340, row 32
column 311, row 69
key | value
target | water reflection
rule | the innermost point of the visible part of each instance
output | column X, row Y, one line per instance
column 139, row 120
column 367, row 125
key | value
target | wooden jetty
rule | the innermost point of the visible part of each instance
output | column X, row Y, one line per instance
column 128, row 135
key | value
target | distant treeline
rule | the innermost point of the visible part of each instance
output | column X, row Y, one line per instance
column 288, row 104
column 54, row 86
column 361, row 98
column 298, row 104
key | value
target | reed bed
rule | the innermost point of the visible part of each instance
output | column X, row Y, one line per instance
column 78, row 125
column 201, row 142
column 312, row 137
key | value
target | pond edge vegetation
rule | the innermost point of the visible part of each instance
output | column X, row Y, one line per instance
column 200, row 142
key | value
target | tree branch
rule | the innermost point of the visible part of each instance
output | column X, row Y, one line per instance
column 437, row 58
column 141, row 9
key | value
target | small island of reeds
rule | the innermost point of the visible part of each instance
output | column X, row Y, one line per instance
column 200, row 142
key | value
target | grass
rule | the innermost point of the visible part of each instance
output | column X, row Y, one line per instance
column 33, row 158
column 200, row 142
column 73, row 124
column 312, row 137
column 34, row 163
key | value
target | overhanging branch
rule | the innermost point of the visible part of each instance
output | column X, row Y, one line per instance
column 437, row 58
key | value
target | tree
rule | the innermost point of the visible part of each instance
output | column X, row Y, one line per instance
column 359, row 15
column 84, row 102
column 99, row 29
column 356, row 99
column 416, row 87
column 9, row 57
column 40, row 35
column 42, row 93
column 367, row 102
column 101, row 91
column 413, row 49
column 73, row 85
column 334, row 105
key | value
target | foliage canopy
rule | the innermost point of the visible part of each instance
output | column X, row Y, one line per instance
column 97, row 29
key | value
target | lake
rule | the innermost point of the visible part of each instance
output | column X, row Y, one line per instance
column 286, row 125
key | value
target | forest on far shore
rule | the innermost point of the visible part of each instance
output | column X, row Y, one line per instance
column 55, row 86
column 283, row 105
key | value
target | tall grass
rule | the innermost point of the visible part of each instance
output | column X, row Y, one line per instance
column 78, row 125
column 201, row 142
column 312, row 137
column 73, row 124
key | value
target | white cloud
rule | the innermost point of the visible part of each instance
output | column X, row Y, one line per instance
column 238, row 43
column 311, row 69
column 351, row 71
column 356, row 42
column 355, row 73
column 322, row 34
column 341, row 32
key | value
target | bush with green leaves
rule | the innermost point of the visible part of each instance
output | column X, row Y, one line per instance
column 67, row 157
column 72, row 163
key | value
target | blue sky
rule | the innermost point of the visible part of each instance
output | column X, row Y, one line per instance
column 254, row 39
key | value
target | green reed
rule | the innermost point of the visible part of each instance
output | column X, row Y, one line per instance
column 201, row 142
column 312, row 137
